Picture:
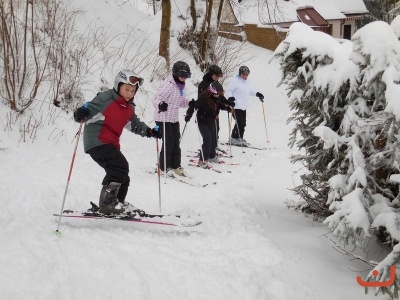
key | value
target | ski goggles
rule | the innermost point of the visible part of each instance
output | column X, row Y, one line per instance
column 214, row 91
column 184, row 74
column 135, row 80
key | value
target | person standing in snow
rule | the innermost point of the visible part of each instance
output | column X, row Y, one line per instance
column 208, row 106
column 105, row 117
column 171, row 96
column 240, row 89
column 214, row 74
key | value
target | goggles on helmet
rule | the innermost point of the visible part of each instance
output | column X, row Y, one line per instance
column 184, row 74
column 133, row 80
column 214, row 90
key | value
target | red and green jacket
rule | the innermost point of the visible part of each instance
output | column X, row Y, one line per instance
column 109, row 114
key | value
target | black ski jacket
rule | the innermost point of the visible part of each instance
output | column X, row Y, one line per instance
column 208, row 107
column 207, row 80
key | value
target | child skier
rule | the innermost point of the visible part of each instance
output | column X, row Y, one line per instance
column 169, row 98
column 208, row 106
column 105, row 117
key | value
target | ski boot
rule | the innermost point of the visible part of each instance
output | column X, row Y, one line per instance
column 108, row 203
column 132, row 210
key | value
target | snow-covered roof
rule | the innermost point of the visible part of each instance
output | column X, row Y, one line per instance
column 280, row 11
column 348, row 6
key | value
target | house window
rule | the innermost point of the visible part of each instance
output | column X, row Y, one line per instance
column 347, row 32
column 326, row 29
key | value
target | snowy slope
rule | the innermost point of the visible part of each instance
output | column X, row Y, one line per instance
column 250, row 246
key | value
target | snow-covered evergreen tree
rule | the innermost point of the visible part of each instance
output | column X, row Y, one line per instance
column 371, row 128
column 346, row 113
column 318, row 81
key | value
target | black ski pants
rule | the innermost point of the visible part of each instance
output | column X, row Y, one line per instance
column 240, row 117
column 171, row 145
column 116, row 166
column 209, row 134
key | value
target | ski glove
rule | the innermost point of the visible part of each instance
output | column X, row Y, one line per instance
column 81, row 113
column 260, row 96
column 163, row 106
column 192, row 104
column 153, row 132
column 231, row 101
column 189, row 114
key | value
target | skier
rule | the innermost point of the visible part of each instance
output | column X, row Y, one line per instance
column 169, row 98
column 240, row 89
column 105, row 117
column 208, row 106
column 214, row 74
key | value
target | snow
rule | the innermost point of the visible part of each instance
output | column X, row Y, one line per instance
column 346, row 6
column 353, row 210
column 250, row 246
column 272, row 11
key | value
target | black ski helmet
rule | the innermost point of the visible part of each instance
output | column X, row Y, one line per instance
column 244, row 69
column 216, row 88
column 214, row 69
column 181, row 69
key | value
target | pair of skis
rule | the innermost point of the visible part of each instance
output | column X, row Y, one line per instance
column 247, row 146
column 136, row 217
column 194, row 163
column 184, row 179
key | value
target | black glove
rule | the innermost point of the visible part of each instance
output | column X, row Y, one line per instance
column 192, row 104
column 228, row 108
column 222, row 100
column 260, row 96
column 80, row 114
column 153, row 132
column 189, row 114
column 163, row 106
column 231, row 101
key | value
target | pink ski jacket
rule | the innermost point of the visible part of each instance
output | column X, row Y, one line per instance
column 171, row 94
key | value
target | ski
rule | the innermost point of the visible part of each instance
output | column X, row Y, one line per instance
column 185, row 181
column 197, row 156
column 248, row 146
column 221, row 162
column 221, row 154
column 168, row 220
column 208, row 168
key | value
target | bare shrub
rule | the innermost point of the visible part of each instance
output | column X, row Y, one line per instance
column 230, row 55
column 43, row 60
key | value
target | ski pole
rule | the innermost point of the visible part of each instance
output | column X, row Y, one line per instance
column 198, row 136
column 265, row 123
column 229, row 133
column 182, row 133
column 159, row 176
column 216, row 137
column 78, row 134
column 165, row 152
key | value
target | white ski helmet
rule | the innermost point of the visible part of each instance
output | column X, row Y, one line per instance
column 129, row 77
